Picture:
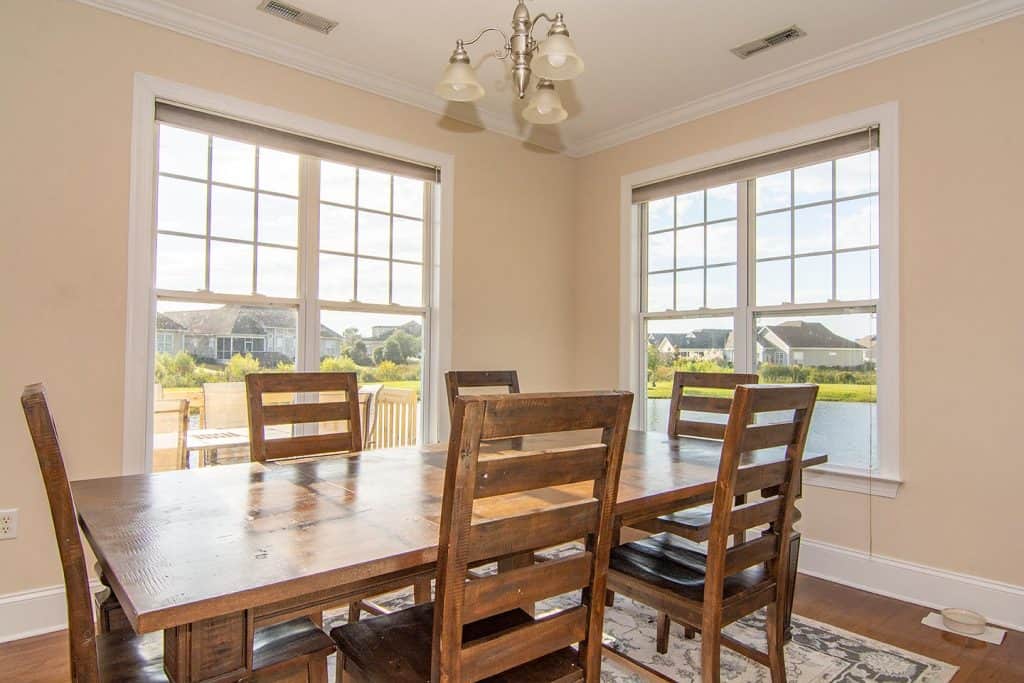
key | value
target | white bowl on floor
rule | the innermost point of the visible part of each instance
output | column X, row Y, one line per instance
column 963, row 621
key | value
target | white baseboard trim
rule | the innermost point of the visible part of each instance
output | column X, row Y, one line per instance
column 1001, row 603
column 34, row 612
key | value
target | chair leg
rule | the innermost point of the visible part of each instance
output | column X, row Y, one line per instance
column 791, row 571
column 711, row 647
column 316, row 670
column 421, row 591
column 776, row 654
column 689, row 633
column 354, row 608
column 664, row 625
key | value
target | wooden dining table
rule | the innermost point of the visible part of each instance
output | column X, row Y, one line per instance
column 208, row 555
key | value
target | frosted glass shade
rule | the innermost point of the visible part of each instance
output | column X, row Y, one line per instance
column 556, row 59
column 545, row 107
column 459, row 84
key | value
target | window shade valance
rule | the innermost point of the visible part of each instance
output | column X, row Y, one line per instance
column 291, row 142
column 762, row 165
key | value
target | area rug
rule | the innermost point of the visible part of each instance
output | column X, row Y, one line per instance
column 818, row 652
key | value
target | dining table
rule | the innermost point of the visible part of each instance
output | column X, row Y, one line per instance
column 206, row 556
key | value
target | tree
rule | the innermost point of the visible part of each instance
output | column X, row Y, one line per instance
column 378, row 355
column 359, row 354
column 393, row 350
column 411, row 346
column 653, row 361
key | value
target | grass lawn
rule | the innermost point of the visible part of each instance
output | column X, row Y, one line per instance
column 851, row 393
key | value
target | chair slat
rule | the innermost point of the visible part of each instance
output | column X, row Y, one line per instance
column 526, row 471
column 490, row 656
column 760, row 477
column 782, row 397
column 758, row 550
column 532, row 530
column 492, row 595
column 519, row 415
column 755, row 514
column 274, row 382
column 297, row 413
column 757, row 437
column 298, row 446
column 706, row 404
column 455, row 380
column 704, row 430
column 716, row 380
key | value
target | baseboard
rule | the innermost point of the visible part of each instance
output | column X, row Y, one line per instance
column 1001, row 603
column 34, row 612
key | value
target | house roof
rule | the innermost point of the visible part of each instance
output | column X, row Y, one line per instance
column 697, row 339
column 799, row 334
column 237, row 319
column 166, row 324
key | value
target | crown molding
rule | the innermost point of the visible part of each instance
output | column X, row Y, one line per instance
column 931, row 30
column 196, row 25
column 166, row 15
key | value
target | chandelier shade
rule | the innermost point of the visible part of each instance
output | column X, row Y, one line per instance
column 557, row 59
column 545, row 107
column 459, row 83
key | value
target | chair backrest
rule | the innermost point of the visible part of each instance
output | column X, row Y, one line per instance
column 704, row 404
column 170, row 417
column 395, row 420
column 776, row 480
column 468, row 478
column 456, row 380
column 81, row 630
column 224, row 405
column 263, row 414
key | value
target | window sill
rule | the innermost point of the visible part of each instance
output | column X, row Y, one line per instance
column 853, row 480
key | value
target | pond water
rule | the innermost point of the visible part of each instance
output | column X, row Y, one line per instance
column 848, row 432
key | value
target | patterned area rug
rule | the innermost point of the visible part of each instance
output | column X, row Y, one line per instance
column 818, row 652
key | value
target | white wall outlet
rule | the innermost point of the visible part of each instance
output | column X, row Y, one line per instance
column 8, row 523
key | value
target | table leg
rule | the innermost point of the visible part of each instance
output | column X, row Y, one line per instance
column 516, row 562
column 794, row 560
column 218, row 649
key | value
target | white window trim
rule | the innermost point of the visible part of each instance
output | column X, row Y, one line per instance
column 885, row 480
column 141, row 296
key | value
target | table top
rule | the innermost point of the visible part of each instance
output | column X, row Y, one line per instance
column 187, row 545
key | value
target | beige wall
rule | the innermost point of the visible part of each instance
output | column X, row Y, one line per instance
column 961, row 112
column 65, row 108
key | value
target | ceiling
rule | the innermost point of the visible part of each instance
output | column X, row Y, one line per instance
column 650, row 64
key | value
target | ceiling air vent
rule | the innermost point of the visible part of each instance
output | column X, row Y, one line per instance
column 762, row 44
column 298, row 16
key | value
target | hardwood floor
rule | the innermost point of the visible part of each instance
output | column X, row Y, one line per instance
column 43, row 659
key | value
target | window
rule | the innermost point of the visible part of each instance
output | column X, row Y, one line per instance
column 275, row 252
column 771, row 265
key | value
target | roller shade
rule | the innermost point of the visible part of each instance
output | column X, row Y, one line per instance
column 762, row 165
column 285, row 141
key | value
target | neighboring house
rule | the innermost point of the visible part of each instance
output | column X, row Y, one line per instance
column 704, row 344
column 869, row 342
column 379, row 334
column 804, row 343
column 268, row 334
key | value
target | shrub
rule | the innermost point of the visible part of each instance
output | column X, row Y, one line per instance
column 338, row 364
column 239, row 366
column 387, row 371
column 178, row 370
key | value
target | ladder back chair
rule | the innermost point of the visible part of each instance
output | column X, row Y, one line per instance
column 262, row 414
column 122, row 655
column 170, row 428
column 456, row 380
column 476, row 630
column 710, row 589
column 339, row 411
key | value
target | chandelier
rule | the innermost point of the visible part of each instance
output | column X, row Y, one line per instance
column 553, row 59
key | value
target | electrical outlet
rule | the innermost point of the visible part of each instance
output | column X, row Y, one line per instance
column 8, row 523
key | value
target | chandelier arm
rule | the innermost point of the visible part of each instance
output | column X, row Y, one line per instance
column 542, row 15
column 500, row 54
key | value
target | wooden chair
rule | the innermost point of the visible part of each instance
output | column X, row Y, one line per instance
column 456, row 380
column 710, row 589
column 394, row 418
column 340, row 411
column 344, row 412
column 476, row 629
column 170, row 418
column 122, row 655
